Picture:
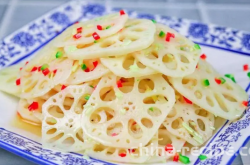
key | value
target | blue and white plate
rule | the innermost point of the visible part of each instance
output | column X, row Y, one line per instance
column 227, row 50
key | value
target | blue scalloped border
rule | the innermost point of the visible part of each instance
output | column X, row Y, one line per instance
column 10, row 47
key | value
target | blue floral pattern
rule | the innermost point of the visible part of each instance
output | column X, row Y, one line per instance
column 27, row 40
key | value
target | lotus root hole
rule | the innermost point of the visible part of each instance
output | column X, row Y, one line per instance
column 106, row 44
column 129, row 60
column 56, row 111
column 68, row 102
column 220, row 102
column 134, row 129
column 198, row 94
column 146, row 85
column 154, row 112
column 176, row 123
column 51, row 121
column 147, row 122
column 184, row 59
column 114, row 129
column 155, row 99
column 164, row 139
column 229, row 98
column 201, row 124
column 107, row 94
column 201, row 112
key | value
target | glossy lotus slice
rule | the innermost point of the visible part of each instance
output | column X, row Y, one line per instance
column 37, row 83
column 61, row 126
column 176, row 58
column 138, row 34
column 125, row 155
column 103, row 26
column 127, row 66
column 8, row 78
column 87, row 70
column 221, row 98
column 32, row 115
column 190, row 122
column 165, row 138
column 118, row 113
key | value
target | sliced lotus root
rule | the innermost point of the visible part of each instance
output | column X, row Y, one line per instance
column 9, row 78
column 82, row 32
column 174, row 56
column 61, row 126
column 87, row 70
column 125, row 155
column 169, row 141
column 190, row 122
column 37, row 81
column 211, row 91
column 126, row 112
column 127, row 66
column 138, row 34
column 30, row 112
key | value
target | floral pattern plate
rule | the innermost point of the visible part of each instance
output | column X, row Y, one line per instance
column 227, row 50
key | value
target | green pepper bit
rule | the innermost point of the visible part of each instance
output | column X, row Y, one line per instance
column 84, row 66
column 161, row 34
column 206, row 82
column 44, row 66
column 184, row 159
column 59, row 54
column 222, row 80
column 197, row 46
column 154, row 21
column 231, row 76
column 248, row 74
column 87, row 97
column 202, row 157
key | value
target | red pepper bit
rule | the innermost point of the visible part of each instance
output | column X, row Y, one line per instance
column 39, row 68
column 86, row 70
column 245, row 103
column 26, row 62
column 203, row 57
column 176, row 157
column 18, row 82
column 122, row 12
column 119, row 84
column 34, row 69
column 197, row 66
column 95, row 63
column 76, row 22
column 21, row 68
column 122, row 155
column 131, row 150
column 79, row 30
column 169, row 35
column 99, row 27
column 33, row 106
column 63, row 87
column 46, row 72
column 187, row 101
column 245, row 67
column 96, row 36
column 134, row 123
column 218, row 81
column 114, row 134
column 77, row 36
column 169, row 148
column 54, row 71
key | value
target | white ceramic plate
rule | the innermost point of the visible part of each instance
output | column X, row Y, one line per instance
column 227, row 50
